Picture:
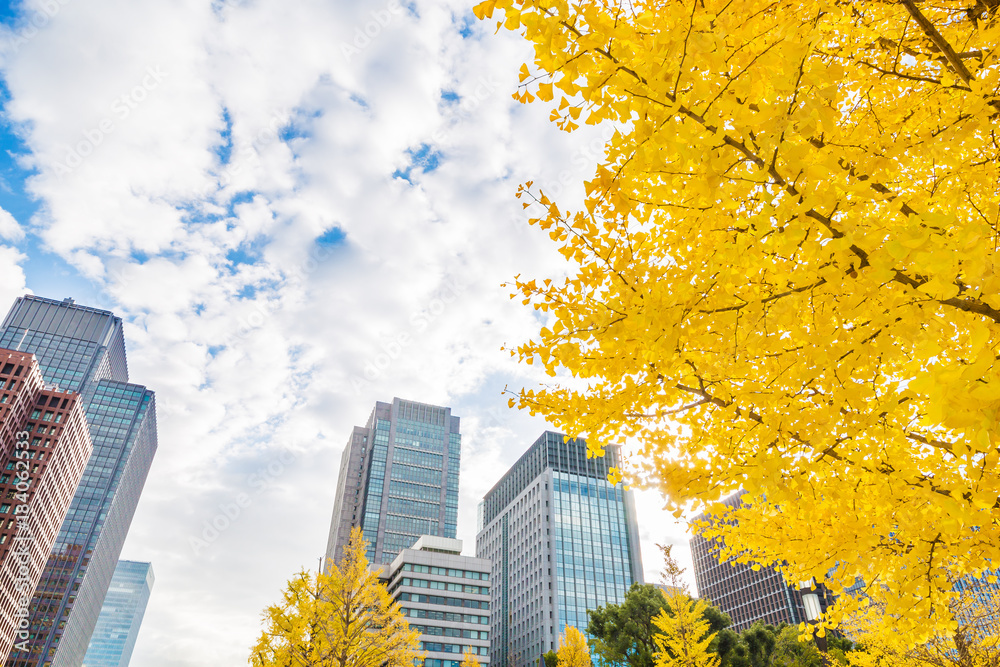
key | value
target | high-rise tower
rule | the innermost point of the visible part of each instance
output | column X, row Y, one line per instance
column 44, row 448
column 121, row 616
column 561, row 540
column 82, row 349
column 398, row 480
column 746, row 594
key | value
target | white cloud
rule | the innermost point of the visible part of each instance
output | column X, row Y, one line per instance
column 10, row 229
column 12, row 281
column 257, row 339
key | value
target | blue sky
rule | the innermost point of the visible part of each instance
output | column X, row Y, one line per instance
column 298, row 209
column 46, row 272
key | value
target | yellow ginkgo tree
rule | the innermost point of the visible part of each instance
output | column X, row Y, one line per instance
column 469, row 658
column 684, row 635
column 785, row 275
column 573, row 649
column 342, row 618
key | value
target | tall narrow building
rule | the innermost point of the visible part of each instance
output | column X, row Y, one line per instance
column 747, row 595
column 81, row 349
column 44, row 447
column 398, row 480
column 561, row 540
column 121, row 616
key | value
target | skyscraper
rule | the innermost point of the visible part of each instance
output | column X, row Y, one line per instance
column 747, row 595
column 82, row 349
column 561, row 540
column 121, row 616
column 44, row 447
column 398, row 480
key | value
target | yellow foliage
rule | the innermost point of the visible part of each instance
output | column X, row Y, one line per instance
column 786, row 274
column 683, row 638
column 342, row 619
column 573, row 650
column 469, row 659
column 973, row 640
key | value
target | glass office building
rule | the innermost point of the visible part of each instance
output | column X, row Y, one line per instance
column 591, row 534
column 398, row 480
column 83, row 349
column 561, row 539
column 76, row 346
column 121, row 616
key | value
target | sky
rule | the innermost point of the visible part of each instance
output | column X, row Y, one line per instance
column 298, row 209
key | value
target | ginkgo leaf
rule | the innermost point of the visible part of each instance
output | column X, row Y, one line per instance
column 813, row 314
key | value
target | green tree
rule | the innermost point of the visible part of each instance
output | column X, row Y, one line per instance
column 551, row 659
column 768, row 646
column 731, row 649
column 342, row 619
column 790, row 652
column 760, row 641
column 573, row 649
column 622, row 634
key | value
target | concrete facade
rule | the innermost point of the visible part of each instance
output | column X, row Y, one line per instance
column 446, row 596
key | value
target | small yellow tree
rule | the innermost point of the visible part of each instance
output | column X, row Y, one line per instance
column 469, row 659
column 684, row 636
column 338, row 619
column 573, row 650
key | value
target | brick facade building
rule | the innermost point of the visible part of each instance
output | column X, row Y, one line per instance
column 44, row 447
